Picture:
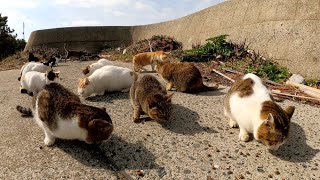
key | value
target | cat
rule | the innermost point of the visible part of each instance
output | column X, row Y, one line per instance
column 32, row 58
column 33, row 66
column 249, row 105
column 32, row 82
column 143, row 59
column 88, row 70
column 73, row 53
column 149, row 96
column 106, row 79
column 185, row 77
column 60, row 114
column 53, row 61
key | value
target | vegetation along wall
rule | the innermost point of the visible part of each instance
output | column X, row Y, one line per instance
column 286, row 31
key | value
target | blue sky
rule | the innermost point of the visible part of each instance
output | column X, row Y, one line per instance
column 40, row 14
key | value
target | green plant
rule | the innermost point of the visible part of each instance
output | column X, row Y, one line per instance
column 213, row 46
column 270, row 71
column 312, row 82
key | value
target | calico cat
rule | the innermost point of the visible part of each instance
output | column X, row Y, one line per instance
column 149, row 96
column 184, row 76
column 60, row 114
column 32, row 82
column 249, row 105
column 142, row 59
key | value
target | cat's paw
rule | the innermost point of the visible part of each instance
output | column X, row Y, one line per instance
column 49, row 141
column 244, row 136
column 233, row 124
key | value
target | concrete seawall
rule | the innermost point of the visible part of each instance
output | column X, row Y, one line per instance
column 286, row 31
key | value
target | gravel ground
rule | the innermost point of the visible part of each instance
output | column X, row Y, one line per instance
column 196, row 144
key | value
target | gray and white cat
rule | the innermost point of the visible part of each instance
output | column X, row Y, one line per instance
column 249, row 105
column 61, row 114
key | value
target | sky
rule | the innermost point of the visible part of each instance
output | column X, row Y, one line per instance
column 41, row 14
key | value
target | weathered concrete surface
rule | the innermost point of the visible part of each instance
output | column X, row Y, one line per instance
column 286, row 30
column 197, row 140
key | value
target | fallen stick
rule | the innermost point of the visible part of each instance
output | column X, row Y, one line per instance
column 222, row 75
column 271, row 82
column 276, row 92
column 306, row 89
column 232, row 71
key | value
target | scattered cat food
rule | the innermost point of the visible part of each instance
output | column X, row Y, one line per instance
column 40, row 147
column 277, row 172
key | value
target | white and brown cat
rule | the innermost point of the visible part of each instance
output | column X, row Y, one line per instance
column 60, row 114
column 249, row 105
column 148, row 58
column 150, row 97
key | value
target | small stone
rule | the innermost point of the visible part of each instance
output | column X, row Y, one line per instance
column 216, row 166
column 40, row 147
column 277, row 172
column 139, row 173
column 270, row 176
column 209, row 155
column 258, row 154
column 297, row 79
column 314, row 168
column 241, row 176
column 217, row 150
column 247, row 172
column 209, row 178
column 230, row 172
column 260, row 169
column 187, row 171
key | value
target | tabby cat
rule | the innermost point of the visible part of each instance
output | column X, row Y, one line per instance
column 184, row 76
column 249, row 105
column 61, row 114
column 143, row 59
column 149, row 96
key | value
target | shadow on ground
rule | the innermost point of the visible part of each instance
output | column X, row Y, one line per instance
column 184, row 121
column 109, row 97
column 116, row 154
column 296, row 149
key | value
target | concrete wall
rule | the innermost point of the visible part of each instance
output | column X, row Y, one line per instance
column 285, row 30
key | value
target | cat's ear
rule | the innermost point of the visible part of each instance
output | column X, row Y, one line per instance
column 169, row 97
column 289, row 111
column 270, row 119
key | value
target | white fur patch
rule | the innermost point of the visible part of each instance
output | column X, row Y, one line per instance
column 108, row 78
column 246, row 110
column 97, row 65
column 34, row 81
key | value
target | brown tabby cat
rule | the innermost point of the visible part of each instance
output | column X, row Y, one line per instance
column 184, row 76
column 148, row 95
column 61, row 114
column 250, row 106
column 142, row 59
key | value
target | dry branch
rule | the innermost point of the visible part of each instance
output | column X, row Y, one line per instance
column 306, row 89
column 222, row 75
column 276, row 92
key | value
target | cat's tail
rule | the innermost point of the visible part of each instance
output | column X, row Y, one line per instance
column 24, row 111
column 209, row 88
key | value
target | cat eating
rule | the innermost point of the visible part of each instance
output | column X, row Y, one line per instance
column 249, row 105
column 149, row 96
column 60, row 114
column 185, row 77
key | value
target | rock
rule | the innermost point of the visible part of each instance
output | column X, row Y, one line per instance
column 297, row 79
